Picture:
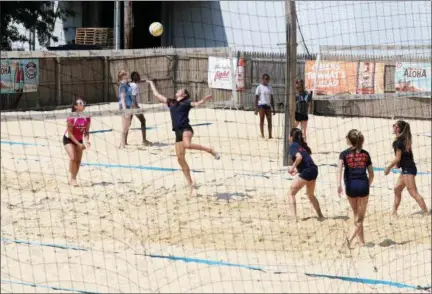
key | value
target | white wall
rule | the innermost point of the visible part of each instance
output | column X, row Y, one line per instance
column 260, row 25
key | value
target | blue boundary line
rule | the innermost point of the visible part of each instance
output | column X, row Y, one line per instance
column 20, row 143
column 100, row 131
column 46, row 287
column 154, row 168
column 221, row 263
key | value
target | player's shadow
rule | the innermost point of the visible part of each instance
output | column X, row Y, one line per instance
column 342, row 217
column 105, row 184
column 390, row 242
column 421, row 212
column 238, row 196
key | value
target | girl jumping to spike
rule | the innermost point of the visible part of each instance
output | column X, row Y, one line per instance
column 404, row 159
column 179, row 108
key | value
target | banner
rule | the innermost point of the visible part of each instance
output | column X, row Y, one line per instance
column 332, row 77
column 19, row 75
column 365, row 78
column 413, row 77
column 220, row 72
column 379, row 78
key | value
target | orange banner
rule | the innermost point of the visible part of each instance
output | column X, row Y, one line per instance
column 333, row 77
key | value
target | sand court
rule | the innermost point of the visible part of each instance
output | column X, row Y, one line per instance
column 133, row 202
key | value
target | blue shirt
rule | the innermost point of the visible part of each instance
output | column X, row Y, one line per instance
column 179, row 113
column 356, row 164
column 125, row 88
column 307, row 161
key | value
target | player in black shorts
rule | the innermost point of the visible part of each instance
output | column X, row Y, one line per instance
column 179, row 108
column 303, row 107
column 356, row 162
column 307, row 170
column 404, row 159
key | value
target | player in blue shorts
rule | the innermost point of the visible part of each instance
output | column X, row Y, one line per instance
column 404, row 159
column 179, row 108
column 356, row 162
column 307, row 170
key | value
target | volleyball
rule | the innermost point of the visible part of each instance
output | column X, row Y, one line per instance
column 156, row 29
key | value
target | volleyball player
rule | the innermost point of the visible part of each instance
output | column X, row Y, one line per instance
column 304, row 165
column 125, row 101
column 303, row 107
column 76, row 138
column 356, row 162
column 179, row 108
column 404, row 159
column 136, row 97
column 264, row 104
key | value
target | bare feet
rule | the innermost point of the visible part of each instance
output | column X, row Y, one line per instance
column 73, row 183
column 147, row 143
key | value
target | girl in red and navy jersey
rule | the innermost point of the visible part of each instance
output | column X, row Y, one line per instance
column 304, row 165
column 404, row 159
column 76, row 139
column 357, row 163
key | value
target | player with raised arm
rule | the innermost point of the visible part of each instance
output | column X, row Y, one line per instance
column 356, row 162
column 264, row 104
column 404, row 159
column 304, row 165
column 179, row 109
column 76, row 139
column 136, row 97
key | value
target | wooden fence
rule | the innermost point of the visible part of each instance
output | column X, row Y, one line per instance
column 94, row 78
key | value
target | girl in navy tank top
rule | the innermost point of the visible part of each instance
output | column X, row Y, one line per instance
column 356, row 162
column 404, row 159
column 304, row 165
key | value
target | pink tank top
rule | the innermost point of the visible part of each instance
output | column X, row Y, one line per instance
column 79, row 127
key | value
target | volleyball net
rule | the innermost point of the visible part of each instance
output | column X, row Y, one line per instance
column 131, row 224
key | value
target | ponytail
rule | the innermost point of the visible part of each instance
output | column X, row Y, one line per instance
column 356, row 139
column 297, row 136
column 405, row 133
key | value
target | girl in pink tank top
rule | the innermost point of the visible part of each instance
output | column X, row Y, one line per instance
column 76, row 139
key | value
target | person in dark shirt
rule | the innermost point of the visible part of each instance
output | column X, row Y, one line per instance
column 179, row 109
column 303, row 107
column 404, row 159
column 356, row 162
column 304, row 165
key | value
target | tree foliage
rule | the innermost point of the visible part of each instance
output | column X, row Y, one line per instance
column 38, row 15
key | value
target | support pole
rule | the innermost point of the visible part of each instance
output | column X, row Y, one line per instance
column 117, row 25
column 58, row 82
column 291, row 64
column 128, row 25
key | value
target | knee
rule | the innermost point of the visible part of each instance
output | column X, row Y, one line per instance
column 293, row 191
column 186, row 145
column 413, row 192
column 72, row 159
column 397, row 190
column 181, row 161
column 358, row 221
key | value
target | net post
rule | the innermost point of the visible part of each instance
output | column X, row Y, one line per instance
column 58, row 82
column 291, row 64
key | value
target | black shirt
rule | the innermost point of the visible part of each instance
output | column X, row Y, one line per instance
column 179, row 113
column 307, row 161
column 356, row 164
column 407, row 158
column 302, row 103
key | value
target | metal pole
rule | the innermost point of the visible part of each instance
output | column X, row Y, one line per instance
column 117, row 25
column 291, row 66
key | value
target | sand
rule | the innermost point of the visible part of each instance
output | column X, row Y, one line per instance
column 239, row 214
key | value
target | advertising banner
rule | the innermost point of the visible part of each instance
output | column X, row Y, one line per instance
column 413, row 77
column 19, row 75
column 220, row 72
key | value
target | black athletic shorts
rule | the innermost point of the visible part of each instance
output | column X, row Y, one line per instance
column 309, row 174
column 409, row 171
column 357, row 188
column 264, row 106
column 179, row 133
column 301, row 117
column 66, row 141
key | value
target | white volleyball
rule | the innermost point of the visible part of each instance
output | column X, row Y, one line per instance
column 156, row 29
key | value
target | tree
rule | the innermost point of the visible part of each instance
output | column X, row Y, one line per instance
column 38, row 15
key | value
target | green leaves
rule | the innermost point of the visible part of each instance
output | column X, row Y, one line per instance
column 38, row 15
